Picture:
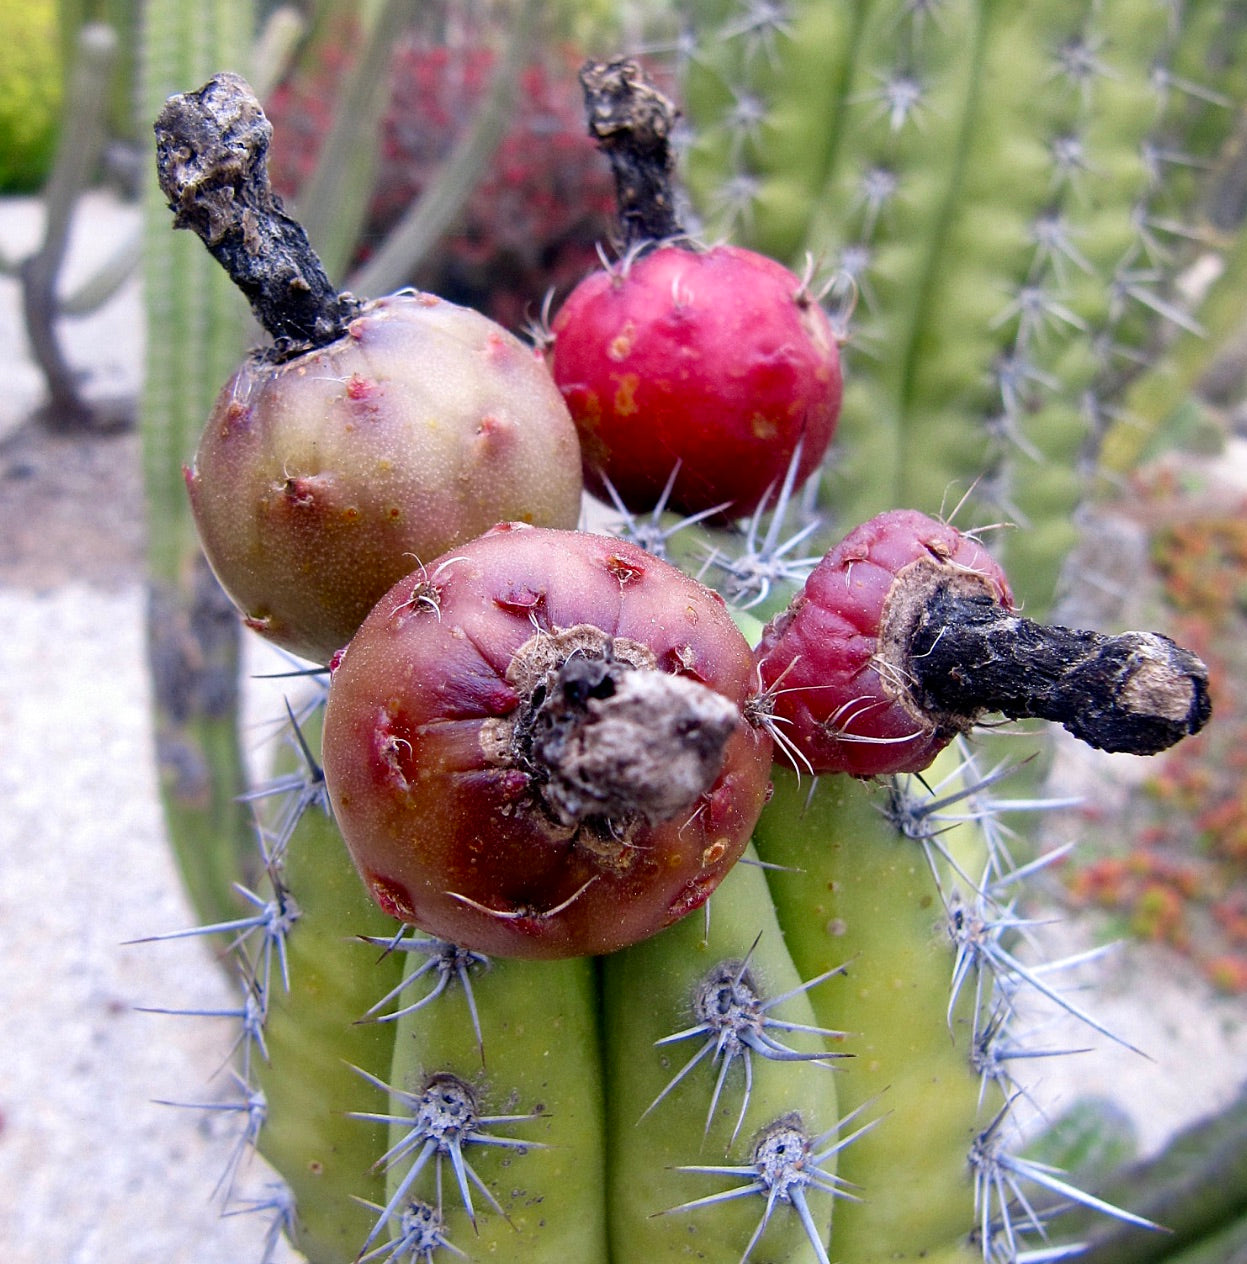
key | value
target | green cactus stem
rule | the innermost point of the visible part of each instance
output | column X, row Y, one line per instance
column 313, row 1038
column 199, row 329
column 124, row 18
column 538, row 1059
column 853, row 889
column 1226, row 1246
column 661, row 1116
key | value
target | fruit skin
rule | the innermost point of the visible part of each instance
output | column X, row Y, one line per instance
column 321, row 480
column 834, row 684
column 718, row 359
column 429, row 806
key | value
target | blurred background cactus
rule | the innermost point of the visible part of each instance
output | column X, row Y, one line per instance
column 532, row 214
column 65, row 102
column 1027, row 220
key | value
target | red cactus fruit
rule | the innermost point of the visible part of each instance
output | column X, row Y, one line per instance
column 718, row 361
column 835, row 663
column 535, row 745
column 700, row 378
column 322, row 479
column 905, row 635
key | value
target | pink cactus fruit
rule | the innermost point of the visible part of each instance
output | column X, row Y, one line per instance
column 714, row 362
column 833, row 664
column 535, row 746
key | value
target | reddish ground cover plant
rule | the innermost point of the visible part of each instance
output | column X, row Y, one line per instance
column 1182, row 878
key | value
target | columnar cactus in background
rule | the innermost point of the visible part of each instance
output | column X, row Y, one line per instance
column 1014, row 192
column 544, row 743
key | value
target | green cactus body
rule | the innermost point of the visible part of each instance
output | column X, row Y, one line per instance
column 648, row 995
column 1226, row 1246
column 766, row 126
column 1099, row 178
column 314, row 1039
column 538, row 1058
column 1139, row 429
column 853, row 889
column 979, row 169
column 194, row 655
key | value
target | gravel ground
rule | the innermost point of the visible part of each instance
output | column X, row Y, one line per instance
column 92, row 1168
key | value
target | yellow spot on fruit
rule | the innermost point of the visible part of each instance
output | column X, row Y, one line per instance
column 714, row 853
column 620, row 346
column 625, row 395
column 762, row 427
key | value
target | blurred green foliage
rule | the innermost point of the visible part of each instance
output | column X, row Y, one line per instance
column 31, row 88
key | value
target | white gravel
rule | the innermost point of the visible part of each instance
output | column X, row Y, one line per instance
column 92, row 1168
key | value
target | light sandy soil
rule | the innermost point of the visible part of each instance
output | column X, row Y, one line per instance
column 92, row 1169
